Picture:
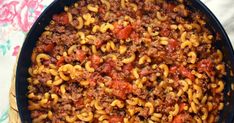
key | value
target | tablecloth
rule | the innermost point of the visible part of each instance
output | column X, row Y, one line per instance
column 17, row 16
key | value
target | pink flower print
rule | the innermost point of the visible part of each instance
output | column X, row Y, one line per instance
column 28, row 13
column 8, row 12
column 16, row 50
column 1, row 1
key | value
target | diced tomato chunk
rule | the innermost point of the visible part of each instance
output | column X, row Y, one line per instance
column 61, row 18
column 117, row 28
column 79, row 103
column 80, row 55
column 178, row 119
column 182, row 118
column 60, row 61
column 182, row 105
column 206, row 65
column 185, row 72
column 115, row 119
column 96, row 60
column 172, row 45
column 121, row 88
column 173, row 69
column 125, row 32
column 49, row 48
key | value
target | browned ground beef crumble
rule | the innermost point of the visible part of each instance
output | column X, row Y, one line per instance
column 147, row 61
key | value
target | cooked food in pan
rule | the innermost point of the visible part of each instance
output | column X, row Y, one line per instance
column 127, row 61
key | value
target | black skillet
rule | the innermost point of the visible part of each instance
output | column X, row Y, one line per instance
column 226, row 115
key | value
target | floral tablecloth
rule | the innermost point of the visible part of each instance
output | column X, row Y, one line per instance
column 17, row 16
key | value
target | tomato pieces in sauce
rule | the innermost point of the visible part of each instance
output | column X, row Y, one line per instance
column 49, row 48
column 60, row 61
column 185, row 72
column 61, row 18
column 182, row 106
column 121, row 88
column 172, row 45
column 165, row 32
column 108, row 66
column 122, row 32
column 127, row 68
column 80, row 55
column 95, row 60
column 178, row 119
column 206, row 65
column 79, row 104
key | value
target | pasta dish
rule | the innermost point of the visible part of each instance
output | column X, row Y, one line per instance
column 126, row 61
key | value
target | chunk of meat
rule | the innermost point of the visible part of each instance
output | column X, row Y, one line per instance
column 98, row 43
column 134, row 36
column 127, row 68
column 165, row 32
column 145, row 71
column 108, row 66
column 94, row 79
column 101, row 10
column 136, row 24
column 116, row 75
column 169, row 6
column 61, row 18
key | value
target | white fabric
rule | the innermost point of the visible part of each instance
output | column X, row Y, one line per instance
column 224, row 11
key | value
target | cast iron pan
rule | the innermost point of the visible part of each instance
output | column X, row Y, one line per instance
column 226, row 115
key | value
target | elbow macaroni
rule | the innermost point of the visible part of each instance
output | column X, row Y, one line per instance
column 93, row 8
column 130, row 59
column 88, row 67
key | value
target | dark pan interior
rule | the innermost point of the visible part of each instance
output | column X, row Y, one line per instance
column 226, row 116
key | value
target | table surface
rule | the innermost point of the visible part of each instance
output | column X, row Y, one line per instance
column 17, row 16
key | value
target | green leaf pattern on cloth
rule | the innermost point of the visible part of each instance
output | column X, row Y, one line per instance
column 4, row 116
